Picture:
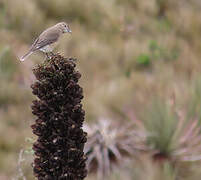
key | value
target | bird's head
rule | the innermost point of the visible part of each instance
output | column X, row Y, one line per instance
column 64, row 27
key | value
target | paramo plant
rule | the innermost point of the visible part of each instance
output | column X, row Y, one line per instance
column 60, row 143
column 173, row 135
column 109, row 144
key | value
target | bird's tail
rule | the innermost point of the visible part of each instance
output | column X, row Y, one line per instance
column 23, row 58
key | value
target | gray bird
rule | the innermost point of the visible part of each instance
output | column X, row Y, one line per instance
column 47, row 38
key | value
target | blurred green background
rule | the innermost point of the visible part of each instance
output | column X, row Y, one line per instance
column 139, row 57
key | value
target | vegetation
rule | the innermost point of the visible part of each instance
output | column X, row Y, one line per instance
column 60, row 143
column 140, row 61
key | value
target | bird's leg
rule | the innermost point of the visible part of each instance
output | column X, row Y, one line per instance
column 47, row 55
column 72, row 59
column 51, row 53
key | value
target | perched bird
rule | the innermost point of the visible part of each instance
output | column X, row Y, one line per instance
column 47, row 38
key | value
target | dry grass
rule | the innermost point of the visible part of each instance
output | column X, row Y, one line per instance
column 128, row 52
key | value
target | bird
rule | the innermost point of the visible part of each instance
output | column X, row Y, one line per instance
column 47, row 38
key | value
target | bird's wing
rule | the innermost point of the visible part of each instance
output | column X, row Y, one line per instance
column 32, row 48
column 44, row 40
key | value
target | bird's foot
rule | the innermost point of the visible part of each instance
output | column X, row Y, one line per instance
column 49, row 55
column 72, row 59
column 52, row 54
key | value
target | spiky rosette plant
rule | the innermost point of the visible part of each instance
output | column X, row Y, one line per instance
column 172, row 136
column 109, row 144
column 59, row 147
column 187, row 140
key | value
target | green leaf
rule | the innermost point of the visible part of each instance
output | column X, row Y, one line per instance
column 143, row 59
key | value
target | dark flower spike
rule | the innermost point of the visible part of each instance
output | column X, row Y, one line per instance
column 59, row 148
